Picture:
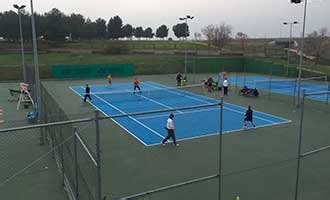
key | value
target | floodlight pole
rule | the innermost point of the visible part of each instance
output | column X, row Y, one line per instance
column 185, row 52
column 290, row 39
column 301, row 55
column 220, row 148
column 186, row 31
column 36, row 62
column 19, row 8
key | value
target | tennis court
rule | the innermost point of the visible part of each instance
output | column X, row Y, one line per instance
column 191, row 123
column 285, row 86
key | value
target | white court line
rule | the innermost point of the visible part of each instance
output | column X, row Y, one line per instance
column 223, row 107
column 263, row 119
column 191, row 97
column 204, row 110
column 86, row 149
column 185, row 92
column 115, row 121
column 224, row 132
column 150, row 129
column 156, row 102
column 187, row 112
column 257, row 111
column 132, row 118
column 236, row 130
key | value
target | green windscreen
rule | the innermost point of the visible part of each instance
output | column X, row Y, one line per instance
column 91, row 71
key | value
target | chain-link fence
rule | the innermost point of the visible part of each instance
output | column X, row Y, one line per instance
column 296, row 177
column 75, row 151
column 76, row 160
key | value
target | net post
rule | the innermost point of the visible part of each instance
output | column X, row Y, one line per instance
column 294, row 92
column 299, row 145
column 236, row 76
column 270, row 81
column 270, row 87
column 42, row 129
column 53, row 139
column 98, row 156
column 220, row 146
column 76, row 162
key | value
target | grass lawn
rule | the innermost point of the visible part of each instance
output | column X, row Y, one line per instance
column 71, row 58
column 101, row 44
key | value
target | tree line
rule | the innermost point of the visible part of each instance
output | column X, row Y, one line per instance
column 56, row 25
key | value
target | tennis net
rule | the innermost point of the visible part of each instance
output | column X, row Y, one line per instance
column 179, row 96
column 317, row 83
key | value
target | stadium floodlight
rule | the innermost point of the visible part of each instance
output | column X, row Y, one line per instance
column 190, row 17
column 19, row 8
column 301, row 52
column 296, row 1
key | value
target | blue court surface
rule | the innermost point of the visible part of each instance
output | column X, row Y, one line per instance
column 149, row 128
column 284, row 86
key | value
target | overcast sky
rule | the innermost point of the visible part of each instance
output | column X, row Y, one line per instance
column 257, row 18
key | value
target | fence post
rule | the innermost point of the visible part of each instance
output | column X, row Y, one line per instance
column 62, row 158
column 220, row 147
column 270, row 82
column 76, row 163
column 299, row 145
column 98, row 156
column 42, row 130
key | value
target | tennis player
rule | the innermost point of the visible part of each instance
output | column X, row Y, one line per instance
column 87, row 93
column 170, row 131
column 178, row 79
column 109, row 77
column 225, row 85
column 248, row 117
column 136, row 85
column 209, row 84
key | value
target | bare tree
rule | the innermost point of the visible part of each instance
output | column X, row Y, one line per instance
column 242, row 37
column 217, row 35
column 316, row 44
column 197, row 36
column 209, row 32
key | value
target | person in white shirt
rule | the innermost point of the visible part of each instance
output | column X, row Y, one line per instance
column 225, row 85
column 170, row 130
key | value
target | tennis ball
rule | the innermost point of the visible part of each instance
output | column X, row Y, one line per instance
column 46, row 167
column 237, row 198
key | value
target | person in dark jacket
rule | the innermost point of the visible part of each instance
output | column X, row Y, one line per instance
column 87, row 93
column 248, row 117
column 178, row 79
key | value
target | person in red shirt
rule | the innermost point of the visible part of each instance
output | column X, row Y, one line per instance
column 136, row 85
column 109, row 77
